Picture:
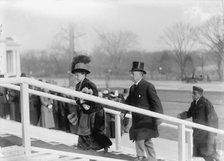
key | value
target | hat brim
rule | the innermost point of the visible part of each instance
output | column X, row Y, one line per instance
column 80, row 70
column 140, row 70
column 199, row 89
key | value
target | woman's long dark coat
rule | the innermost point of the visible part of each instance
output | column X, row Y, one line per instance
column 203, row 113
column 91, row 124
column 87, row 117
column 144, row 96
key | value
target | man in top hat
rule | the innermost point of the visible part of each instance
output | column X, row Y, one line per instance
column 202, row 112
column 142, row 94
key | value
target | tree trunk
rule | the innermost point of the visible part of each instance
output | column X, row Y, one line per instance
column 220, row 70
column 71, row 51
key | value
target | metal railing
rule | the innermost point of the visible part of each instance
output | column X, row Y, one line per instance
column 24, row 92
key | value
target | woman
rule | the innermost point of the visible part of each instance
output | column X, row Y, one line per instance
column 91, row 122
column 47, row 118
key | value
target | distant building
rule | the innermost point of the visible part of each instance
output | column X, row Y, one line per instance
column 9, row 57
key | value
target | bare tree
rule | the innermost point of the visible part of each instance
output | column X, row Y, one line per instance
column 180, row 41
column 63, row 48
column 58, row 50
column 116, row 45
column 211, row 36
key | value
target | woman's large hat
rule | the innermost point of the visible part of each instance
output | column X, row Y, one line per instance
column 81, row 67
column 138, row 66
column 80, row 64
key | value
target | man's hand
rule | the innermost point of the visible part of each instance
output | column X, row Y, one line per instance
column 158, row 122
column 182, row 115
column 179, row 116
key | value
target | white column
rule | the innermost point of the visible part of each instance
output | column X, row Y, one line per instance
column 18, row 67
column 2, row 57
column 14, row 61
column 24, row 99
column 190, row 145
column 118, row 131
column 181, row 143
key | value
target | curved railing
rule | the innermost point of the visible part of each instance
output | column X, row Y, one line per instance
column 182, row 125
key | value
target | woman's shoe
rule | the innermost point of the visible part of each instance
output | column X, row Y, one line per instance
column 106, row 149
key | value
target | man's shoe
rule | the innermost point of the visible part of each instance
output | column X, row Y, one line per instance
column 143, row 158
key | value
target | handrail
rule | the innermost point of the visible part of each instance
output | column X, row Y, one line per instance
column 181, row 123
column 52, row 96
column 118, row 105
column 40, row 93
column 67, row 100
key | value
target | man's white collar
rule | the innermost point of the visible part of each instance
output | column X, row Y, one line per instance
column 138, row 82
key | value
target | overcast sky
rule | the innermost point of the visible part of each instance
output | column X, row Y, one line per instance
column 33, row 23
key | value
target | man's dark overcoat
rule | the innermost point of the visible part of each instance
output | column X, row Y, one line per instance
column 144, row 96
column 203, row 113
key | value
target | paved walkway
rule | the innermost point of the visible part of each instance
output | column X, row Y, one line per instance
column 10, row 134
column 167, row 150
column 10, row 140
column 162, row 147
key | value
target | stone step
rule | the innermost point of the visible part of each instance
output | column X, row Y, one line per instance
column 33, row 157
column 12, row 151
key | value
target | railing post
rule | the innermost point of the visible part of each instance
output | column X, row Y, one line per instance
column 118, row 132
column 181, row 143
column 190, row 145
column 24, row 97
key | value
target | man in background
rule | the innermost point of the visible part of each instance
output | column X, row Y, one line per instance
column 202, row 112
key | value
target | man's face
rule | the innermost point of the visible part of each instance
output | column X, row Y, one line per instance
column 136, row 76
column 196, row 95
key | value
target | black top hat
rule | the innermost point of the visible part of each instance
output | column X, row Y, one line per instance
column 81, row 67
column 138, row 66
column 199, row 89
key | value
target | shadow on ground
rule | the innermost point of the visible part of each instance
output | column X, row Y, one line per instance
column 11, row 140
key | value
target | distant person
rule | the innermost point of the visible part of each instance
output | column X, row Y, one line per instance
column 208, row 78
column 62, row 111
column 47, row 117
column 35, row 107
column 90, row 120
column 23, row 75
column 125, row 120
column 14, row 104
column 142, row 94
column 3, row 101
column 202, row 112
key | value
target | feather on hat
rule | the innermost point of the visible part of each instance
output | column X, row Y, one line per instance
column 80, row 64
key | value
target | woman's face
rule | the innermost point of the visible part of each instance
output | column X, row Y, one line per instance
column 80, row 76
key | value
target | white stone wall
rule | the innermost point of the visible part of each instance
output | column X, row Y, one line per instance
column 2, row 57
column 9, row 45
